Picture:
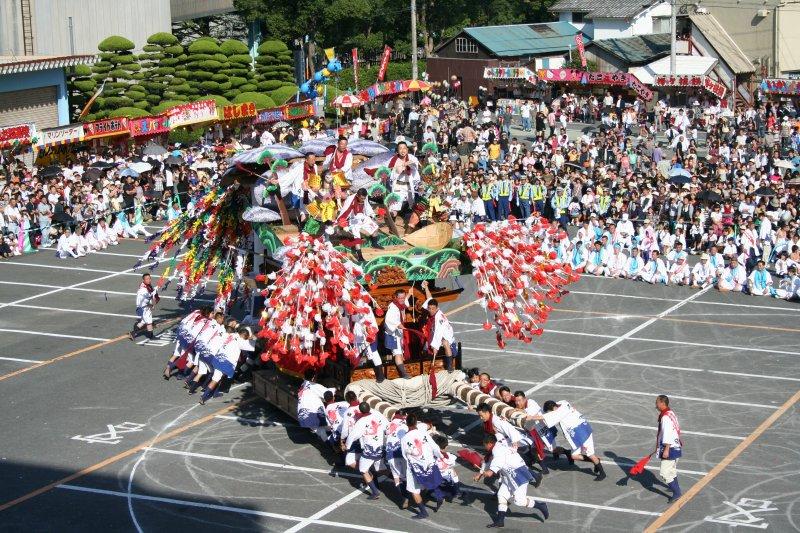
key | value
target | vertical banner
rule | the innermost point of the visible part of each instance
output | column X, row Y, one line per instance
column 355, row 67
column 581, row 51
column 387, row 52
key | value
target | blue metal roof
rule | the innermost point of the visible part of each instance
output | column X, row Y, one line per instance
column 526, row 39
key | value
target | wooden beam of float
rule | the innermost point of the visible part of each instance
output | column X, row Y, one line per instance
column 416, row 393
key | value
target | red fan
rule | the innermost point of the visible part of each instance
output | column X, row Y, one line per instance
column 638, row 468
column 471, row 456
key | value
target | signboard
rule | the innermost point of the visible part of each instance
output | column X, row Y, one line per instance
column 510, row 73
column 105, row 128
column 148, row 125
column 780, row 86
column 387, row 53
column 192, row 113
column 236, row 111
column 581, row 49
column 690, row 81
column 16, row 135
column 293, row 111
column 61, row 135
column 617, row 79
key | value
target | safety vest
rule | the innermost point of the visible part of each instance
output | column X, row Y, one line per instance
column 525, row 192
column 604, row 202
column 505, row 188
column 538, row 192
column 486, row 192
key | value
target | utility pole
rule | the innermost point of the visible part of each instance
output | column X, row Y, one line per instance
column 673, row 36
column 414, row 72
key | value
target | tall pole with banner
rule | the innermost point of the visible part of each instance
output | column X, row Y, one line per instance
column 581, row 49
column 355, row 67
column 387, row 53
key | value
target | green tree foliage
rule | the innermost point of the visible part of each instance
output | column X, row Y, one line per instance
column 116, row 68
column 369, row 24
column 159, row 61
column 273, row 66
column 80, row 86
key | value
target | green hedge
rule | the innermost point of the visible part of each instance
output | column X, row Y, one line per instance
column 162, row 38
column 115, row 43
column 262, row 101
column 272, row 47
column 203, row 46
column 166, row 104
column 283, row 94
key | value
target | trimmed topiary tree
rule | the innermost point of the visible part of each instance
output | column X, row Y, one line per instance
column 80, row 86
column 159, row 63
column 262, row 101
column 273, row 66
column 116, row 68
column 283, row 94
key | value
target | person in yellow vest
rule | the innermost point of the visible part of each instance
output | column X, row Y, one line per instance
column 538, row 194
column 504, row 189
column 560, row 203
column 602, row 201
column 488, row 191
column 524, row 190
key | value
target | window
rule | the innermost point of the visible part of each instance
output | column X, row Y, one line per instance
column 661, row 25
column 465, row 46
column 577, row 17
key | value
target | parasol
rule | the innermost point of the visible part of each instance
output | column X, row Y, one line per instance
column 317, row 146
column 680, row 179
column 280, row 124
column 141, row 167
column 710, row 196
column 680, row 172
column 129, row 172
column 363, row 173
column 101, row 164
column 793, row 181
column 92, row 173
column 782, row 163
column 174, row 160
column 765, row 191
column 346, row 101
column 154, row 149
column 366, row 148
column 260, row 214
column 49, row 172
column 279, row 151
column 418, row 85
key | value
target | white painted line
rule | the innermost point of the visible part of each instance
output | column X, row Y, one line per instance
column 18, row 360
column 481, row 348
column 226, row 508
column 256, row 421
column 728, row 304
column 616, row 341
column 84, row 289
column 115, row 254
column 573, row 504
column 653, row 428
column 324, row 511
column 60, row 289
column 128, row 272
column 542, row 384
column 724, row 347
column 79, row 311
column 354, row 475
column 44, row 334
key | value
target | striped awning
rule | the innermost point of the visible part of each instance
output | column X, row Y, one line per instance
column 20, row 64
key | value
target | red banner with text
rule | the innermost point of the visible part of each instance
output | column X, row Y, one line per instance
column 387, row 53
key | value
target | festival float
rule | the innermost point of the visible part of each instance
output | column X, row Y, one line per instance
column 318, row 306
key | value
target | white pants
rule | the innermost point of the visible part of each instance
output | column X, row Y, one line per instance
column 397, row 466
column 729, row 286
column 587, row 448
column 668, row 470
column 597, row 270
column 654, row 277
column 361, row 225
column 145, row 315
column 352, row 458
column 759, row 292
column 519, row 496
column 365, row 464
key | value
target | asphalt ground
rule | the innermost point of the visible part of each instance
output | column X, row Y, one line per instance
column 94, row 439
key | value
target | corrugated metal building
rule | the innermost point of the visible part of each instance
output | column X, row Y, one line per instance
column 67, row 27
column 33, row 89
column 534, row 46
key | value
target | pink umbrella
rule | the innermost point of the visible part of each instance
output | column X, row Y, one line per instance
column 346, row 101
column 425, row 101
